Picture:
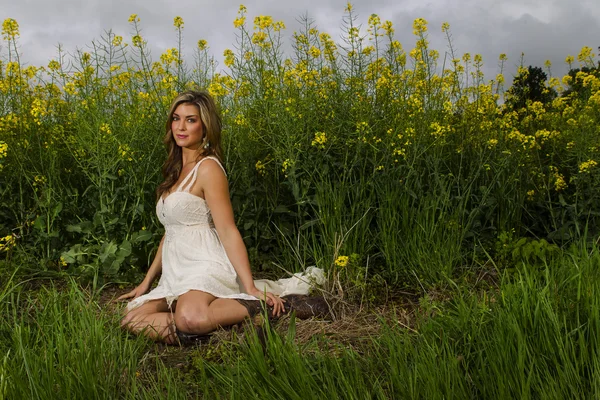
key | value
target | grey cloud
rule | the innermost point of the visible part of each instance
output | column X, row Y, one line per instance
column 541, row 29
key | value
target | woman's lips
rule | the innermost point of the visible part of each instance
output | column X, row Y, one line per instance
column 181, row 136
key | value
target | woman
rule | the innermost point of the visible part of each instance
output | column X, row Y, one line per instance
column 206, row 280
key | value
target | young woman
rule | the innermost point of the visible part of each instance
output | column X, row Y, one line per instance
column 206, row 280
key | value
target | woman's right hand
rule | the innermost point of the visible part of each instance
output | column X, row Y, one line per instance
column 139, row 290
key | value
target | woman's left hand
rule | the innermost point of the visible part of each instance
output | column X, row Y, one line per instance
column 272, row 300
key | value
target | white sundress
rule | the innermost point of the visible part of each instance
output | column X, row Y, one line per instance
column 193, row 257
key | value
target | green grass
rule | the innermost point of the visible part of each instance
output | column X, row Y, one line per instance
column 534, row 335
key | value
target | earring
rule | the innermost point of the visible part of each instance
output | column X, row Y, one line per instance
column 206, row 145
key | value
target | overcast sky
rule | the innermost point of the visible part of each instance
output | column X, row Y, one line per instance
column 542, row 29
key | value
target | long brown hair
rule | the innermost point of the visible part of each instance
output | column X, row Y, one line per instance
column 211, row 145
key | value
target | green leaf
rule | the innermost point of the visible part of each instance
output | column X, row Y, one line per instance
column 141, row 236
column 57, row 210
column 124, row 250
column 107, row 250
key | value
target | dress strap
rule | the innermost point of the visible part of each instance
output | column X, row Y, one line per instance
column 189, row 180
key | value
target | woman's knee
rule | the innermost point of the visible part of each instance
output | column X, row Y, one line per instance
column 128, row 318
column 193, row 320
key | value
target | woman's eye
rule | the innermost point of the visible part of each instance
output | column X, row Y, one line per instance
column 175, row 118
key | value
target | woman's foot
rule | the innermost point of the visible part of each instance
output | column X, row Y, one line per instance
column 190, row 339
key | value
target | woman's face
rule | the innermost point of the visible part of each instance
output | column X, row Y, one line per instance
column 187, row 127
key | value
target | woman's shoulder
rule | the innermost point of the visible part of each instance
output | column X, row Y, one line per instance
column 210, row 165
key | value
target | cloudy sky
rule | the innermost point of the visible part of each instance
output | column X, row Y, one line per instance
column 542, row 29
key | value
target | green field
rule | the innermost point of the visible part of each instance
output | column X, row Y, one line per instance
column 456, row 217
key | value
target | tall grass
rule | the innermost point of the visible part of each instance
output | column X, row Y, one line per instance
column 58, row 343
column 535, row 335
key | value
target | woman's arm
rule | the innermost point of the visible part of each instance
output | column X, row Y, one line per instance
column 213, row 183
column 153, row 272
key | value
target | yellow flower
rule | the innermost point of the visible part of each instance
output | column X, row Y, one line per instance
column 445, row 27
column 388, row 27
column 3, row 149
column 229, row 57
column 117, row 40
column 419, row 26
column 314, row 52
column 170, row 56
column 7, row 242
column 259, row 38
column 492, row 143
column 137, row 41
column 260, row 167
column 240, row 120
column 368, row 50
column 286, row 164
column 178, row 22
column 104, row 127
column 239, row 22
column 585, row 54
column 530, row 194
column 10, row 29
column 263, row 22
column 319, row 140
column 374, row 20
column 133, row 18
column 559, row 183
column 53, row 65
column 125, row 152
column 569, row 59
column 202, row 44
column 585, row 166
column 39, row 180
column 342, row 261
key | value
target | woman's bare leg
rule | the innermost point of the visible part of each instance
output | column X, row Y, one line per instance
column 153, row 319
column 200, row 313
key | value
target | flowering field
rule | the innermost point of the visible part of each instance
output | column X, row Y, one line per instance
column 359, row 150
column 394, row 168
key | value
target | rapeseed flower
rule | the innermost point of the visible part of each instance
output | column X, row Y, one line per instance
column 319, row 140
column 117, row 40
column 178, row 22
column 286, row 164
column 586, row 166
column 342, row 261
column 419, row 26
column 263, row 22
column 137, row 40
column 229, row 58
column 239, row 22
column 3, row 153
column 586, row 54
column 10, row 29
column 260, row 167
column 7, row 243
